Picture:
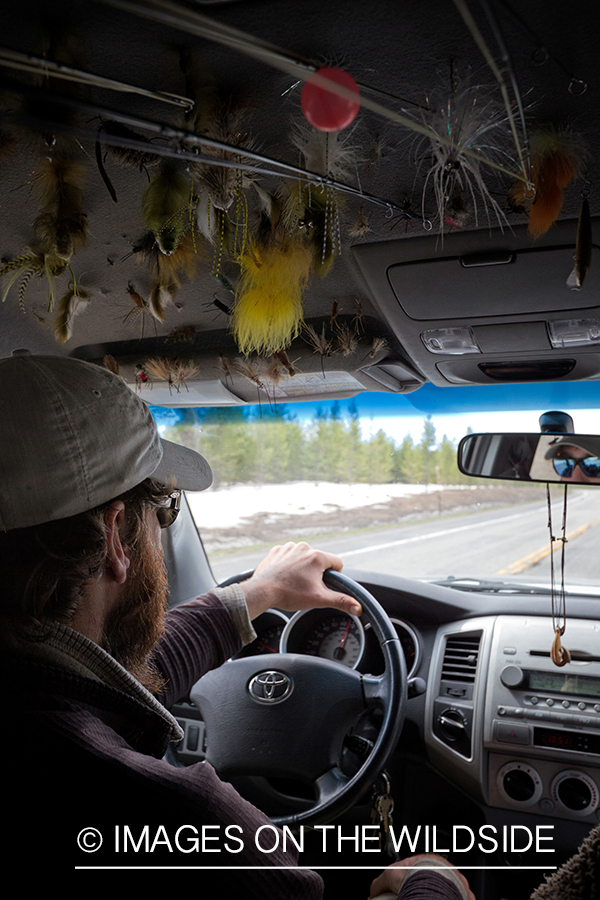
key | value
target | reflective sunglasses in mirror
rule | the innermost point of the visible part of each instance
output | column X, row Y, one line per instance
column 590, row 466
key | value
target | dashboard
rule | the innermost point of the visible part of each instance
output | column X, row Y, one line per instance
column 501, row 719
column 499, row 733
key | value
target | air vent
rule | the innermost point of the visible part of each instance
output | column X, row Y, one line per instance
column 460, row 658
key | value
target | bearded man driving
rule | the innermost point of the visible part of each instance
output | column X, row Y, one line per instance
column 92, row 659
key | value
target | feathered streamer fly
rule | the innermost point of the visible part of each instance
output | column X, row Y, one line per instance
column 60, row 228
column 71, row 304
column 167, row 270
column 267, row 314
column 222, row 208
column 473, row 121
column 556, row 159
column 218, row 116
column 167, row 207
column 315, row 209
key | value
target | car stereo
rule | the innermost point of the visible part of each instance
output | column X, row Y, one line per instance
column 542, row 723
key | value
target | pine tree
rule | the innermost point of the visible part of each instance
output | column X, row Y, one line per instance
column 426, row 446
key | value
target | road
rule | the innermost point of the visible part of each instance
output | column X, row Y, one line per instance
column 512, row 541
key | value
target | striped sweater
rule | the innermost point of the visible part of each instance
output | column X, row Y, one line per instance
column 84, row 755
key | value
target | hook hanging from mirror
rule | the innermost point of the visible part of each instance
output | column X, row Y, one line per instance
column 559, row 655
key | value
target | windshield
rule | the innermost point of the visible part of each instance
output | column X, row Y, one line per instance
column 380, row 489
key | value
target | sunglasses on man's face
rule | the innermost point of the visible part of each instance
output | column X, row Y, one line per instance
column 166, row 515
column 590, row 466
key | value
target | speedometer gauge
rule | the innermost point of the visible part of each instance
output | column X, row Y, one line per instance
column 334, row 636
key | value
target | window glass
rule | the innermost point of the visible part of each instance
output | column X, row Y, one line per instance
column 381, row 490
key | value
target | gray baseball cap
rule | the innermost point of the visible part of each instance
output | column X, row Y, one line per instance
column 73, row 436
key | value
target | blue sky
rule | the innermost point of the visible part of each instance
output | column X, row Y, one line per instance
column 457, row 410
column 453, row 410
column 487, row 408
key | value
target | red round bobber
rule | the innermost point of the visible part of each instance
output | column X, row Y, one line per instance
column 325, row 109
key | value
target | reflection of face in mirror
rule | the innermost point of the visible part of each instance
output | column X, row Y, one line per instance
column 554, row 458
column 574, row 463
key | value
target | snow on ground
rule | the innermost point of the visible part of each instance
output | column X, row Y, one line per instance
column 228, row 507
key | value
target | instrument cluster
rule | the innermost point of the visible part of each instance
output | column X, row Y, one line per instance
column 332, row 635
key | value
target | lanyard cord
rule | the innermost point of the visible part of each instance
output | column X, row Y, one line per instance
column 559, row 655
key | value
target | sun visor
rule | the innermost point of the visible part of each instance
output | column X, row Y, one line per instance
column 489, row 308
column 208, row 371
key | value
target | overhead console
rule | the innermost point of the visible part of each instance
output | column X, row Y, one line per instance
column 499, row 313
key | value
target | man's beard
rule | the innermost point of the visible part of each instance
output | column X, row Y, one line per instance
column 136, row 623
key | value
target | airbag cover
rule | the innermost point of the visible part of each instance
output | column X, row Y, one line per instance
column 299, row 735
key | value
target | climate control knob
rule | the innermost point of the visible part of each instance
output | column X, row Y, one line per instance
column 519, row 783
column 575, row 791
column 452, row 724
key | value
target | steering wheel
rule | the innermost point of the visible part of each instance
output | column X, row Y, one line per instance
column 286, row 715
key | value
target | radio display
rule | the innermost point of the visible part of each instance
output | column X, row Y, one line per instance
column 584, row 685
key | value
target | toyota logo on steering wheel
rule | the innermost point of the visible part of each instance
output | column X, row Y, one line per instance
column 270, row 687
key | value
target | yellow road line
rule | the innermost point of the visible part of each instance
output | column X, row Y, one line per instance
column 532, row 558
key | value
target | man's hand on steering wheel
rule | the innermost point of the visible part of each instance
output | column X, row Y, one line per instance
column 290, row 577
column 298, row 733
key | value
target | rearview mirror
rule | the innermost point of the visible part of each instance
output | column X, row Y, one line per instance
column 560, row 458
